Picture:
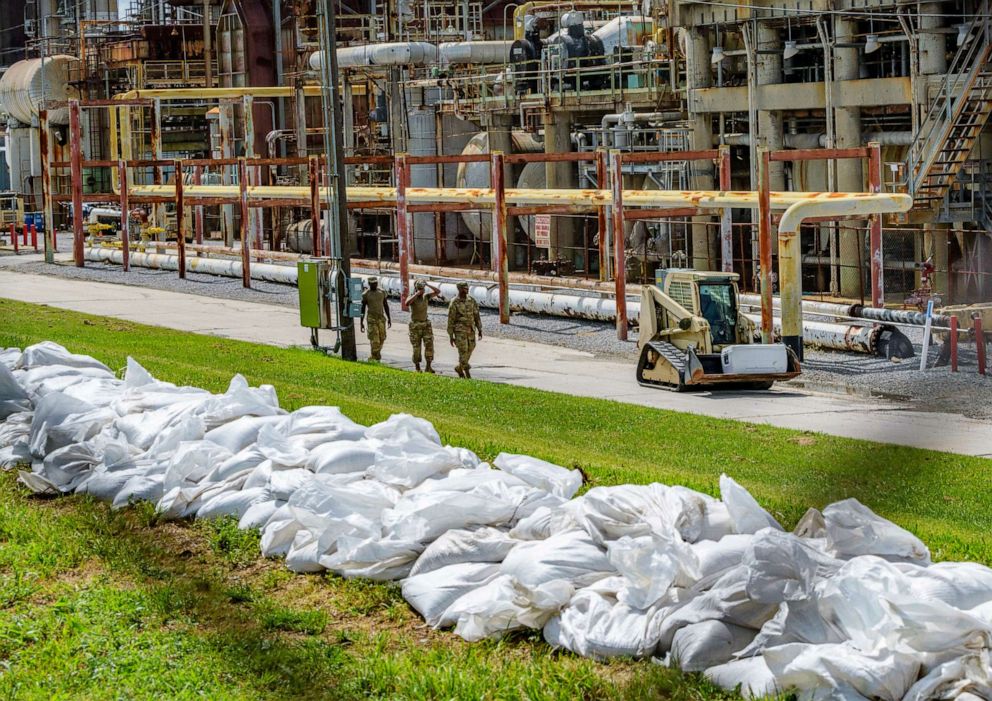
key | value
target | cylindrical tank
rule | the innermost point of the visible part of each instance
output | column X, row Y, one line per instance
column 299, row 237
column 25, row 84
column 477, row 174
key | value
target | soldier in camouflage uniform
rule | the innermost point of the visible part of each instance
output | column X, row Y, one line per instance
column 463, row 320
column 374, row 305
column 421, row 332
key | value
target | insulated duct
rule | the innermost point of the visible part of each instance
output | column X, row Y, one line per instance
column 418, row 53
column 26, row 84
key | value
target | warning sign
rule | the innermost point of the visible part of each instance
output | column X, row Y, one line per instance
column 542, row 230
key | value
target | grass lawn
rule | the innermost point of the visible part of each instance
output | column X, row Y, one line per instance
column 99, row 604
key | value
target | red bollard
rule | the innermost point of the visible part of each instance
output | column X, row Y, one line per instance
column 24, row 235
column 13, row 236
column 954, row 343
column 34, row 237
column 979, row 342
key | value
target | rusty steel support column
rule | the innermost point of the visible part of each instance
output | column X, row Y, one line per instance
column 602, row 183
column 180, row 220
column 198, row 211
column 726, row 218
column 76, row 170
column 620, row 264
column 158, row 217
column 46, row 187
column 315, row 228
column 125, row 216
column 954, row 343
column 401, row 174
column 245, row 243
column 765, row 246
column 976, row 319
column 875, row 227
column 497, row 176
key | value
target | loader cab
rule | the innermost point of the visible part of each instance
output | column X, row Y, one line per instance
column 710, row 295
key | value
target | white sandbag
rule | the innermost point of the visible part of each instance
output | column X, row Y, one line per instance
column 240, row 433
column 502, row 606
column 37, row 483
column 380, row 559
column 841, row 671
column 105, row 485
column 707, row 644
column 403, row 428
column 651, row 565
column 67, row 467
column 280, row 449
column 717, row 523
column 425, row 517
column 341, row 496
column 430, row 593
column 571, row 556
column 244, row 461
column 100, row 392
column 326, row 421
column 458, row 546
column 745, row 512
column 48, row 428
column 40, row 381
column 595, row 625
column 260, row 475
column 782, row 567
column 284, row 483
column 340, row 457
column 233, row 503
column 795, row 622
column 467, row 480
column 963, row 585
column 853, row 529
column 139, row 488
column 9, row 357
column 13, row 398
column 280, row 530
column 258, row 514
column 969, row 674
column 408, row 464
column 15, row 455
column 49, row 353
column 543, row 523
column 751, row 677
column 192, row 462
column 541, row 474
column 311, row 545
column 716, row 557
column 524, row 498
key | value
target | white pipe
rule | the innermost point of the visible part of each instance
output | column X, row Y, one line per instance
column 822, row 334
column 212, row 266
column 418, row 53
column 882, row 138
column 481, row 52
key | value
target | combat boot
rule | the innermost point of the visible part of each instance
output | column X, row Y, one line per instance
column 468, row 375
column 458, row 369
column 417, row 365
column 429, row 369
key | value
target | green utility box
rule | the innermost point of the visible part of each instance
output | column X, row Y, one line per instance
column 312, row 280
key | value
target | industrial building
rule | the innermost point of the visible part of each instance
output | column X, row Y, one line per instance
column 853, row 96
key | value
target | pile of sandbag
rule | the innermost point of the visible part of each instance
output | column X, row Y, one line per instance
column 848, row 606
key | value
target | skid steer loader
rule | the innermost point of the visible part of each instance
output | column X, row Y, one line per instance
column 692, row 335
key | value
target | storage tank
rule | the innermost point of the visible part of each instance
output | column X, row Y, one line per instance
column 26, row 83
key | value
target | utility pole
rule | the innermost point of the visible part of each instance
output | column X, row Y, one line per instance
column 337, row 213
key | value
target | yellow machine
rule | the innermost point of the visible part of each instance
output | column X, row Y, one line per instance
column 11, row 210
column 692, row 334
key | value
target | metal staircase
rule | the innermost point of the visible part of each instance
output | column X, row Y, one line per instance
column 956, row 117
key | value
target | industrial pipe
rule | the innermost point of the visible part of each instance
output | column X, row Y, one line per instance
column 856, row 311
column 877, row 339
column 212, row 266
column 805, row 141
column 417, row 53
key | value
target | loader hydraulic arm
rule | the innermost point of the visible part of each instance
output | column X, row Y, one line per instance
column 651, row 299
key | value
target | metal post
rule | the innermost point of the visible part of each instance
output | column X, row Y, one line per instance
column 726, row 232
column 180, row 220
column 198, row 211
column 125, row 216
column 156, row 139
column 602, row 183
column 46, row 188
column 765, row 246
column 401, row 173
column 620, row 266
column 315, row 228
column 76, row 170
column 245, row 252
column 875, row 227
column 976, row 318
column 24, row 234
column 497, row 178
column 954, row 343
column 34, row 237
column 13, row 236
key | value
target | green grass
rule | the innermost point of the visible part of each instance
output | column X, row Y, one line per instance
column 100, row 604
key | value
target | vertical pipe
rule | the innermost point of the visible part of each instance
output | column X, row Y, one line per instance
column 401, row 174
column 198, row 211
column 125, row 216
column 46, row 188
column 248, row 125
column 954, row 343
column 208, row 50
column 315, row 230
column 765, row 246
column 497, row 178
column 979, row 341
column 245, row 253
column 875, row 227
column 601, row 184
column 726, row 232
column 180, row 220
column 156, row 138
column 76, row 169
column 620, row 267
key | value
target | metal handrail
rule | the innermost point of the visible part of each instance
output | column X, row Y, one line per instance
column 935, row 126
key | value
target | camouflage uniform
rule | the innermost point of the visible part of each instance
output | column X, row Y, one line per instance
column 375, row 321
column 463, row 320
column 421, row 332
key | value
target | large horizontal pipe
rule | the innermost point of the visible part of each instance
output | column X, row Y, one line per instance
column 212, row 266
column 876, row 339
column 882, row 138
column 856, row 311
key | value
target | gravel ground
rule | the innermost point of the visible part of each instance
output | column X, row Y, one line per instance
column 965, row 393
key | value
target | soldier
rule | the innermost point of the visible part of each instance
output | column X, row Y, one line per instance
column 420, row 327
column 374, row 302
column 463, row 320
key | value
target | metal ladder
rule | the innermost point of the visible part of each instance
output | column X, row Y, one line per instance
column 955, row 119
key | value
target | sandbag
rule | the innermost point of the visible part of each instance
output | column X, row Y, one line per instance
column 49, row 353
column 782, row 567
column 240, row 433
column 543, row 523
column 853, row 529
column 596, row 625
column 968, row 674
column 651, row 565
column 341, row 457
column 571, row 557
column 13, row 398
column 751, row 677
column 233, row 503
column 500, row 606
column 700, row 646
column 746, row 514
column 382, row 559
column 431, row 592
column 539, row 473
column 425, row 517
column 403, row 428
column 489, row 545
column 406, row 465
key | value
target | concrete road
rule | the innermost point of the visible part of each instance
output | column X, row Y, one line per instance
column 514, row 362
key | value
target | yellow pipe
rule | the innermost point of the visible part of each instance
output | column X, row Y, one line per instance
column 215, row 93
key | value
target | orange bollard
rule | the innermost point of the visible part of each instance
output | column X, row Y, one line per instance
column 13, row 236
column 34, row 237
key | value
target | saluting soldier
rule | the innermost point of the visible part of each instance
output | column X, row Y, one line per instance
column 421, row 333
column 463, row 321
column 375, row 306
